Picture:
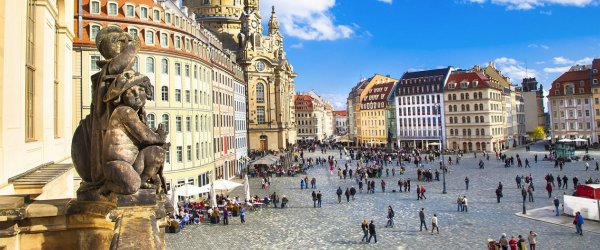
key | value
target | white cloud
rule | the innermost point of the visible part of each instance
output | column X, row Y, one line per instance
column 514, row 69
column 561, row 60
column 557, row 69
column 386, row 1
column 297, row 46
column 307, row 19
column 532, row 4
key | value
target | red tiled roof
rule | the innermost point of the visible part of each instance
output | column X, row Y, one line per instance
column 341, row 113
column 575, row 77
column 467, row 76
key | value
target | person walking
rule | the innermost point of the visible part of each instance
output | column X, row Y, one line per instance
column 527, row 163
column 503, row 242
column 390, row 217
column 434, row 224
column 352, row 192
column 301, row 183
column 313, row 183
column 498, row 194
column 243, row 214
column 314, row 198
column 418, row 193
column 319, row 196
column 423, row 192
column 422, row 218
column 532, row 238
column 382, row 186
column 372, row 233
column 339, row 194
column 549, row 189
column 556, row 204
column 512, row 243
column 465, row 204
column 565, row 182
column 467, row 182
column 365, row 228
column 225, row 216
column 459, row 202
column 530, row 192
column 578, row 223
column 347, row 193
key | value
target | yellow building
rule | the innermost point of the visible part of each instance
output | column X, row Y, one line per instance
column 177, row 55
column 270, row 77
column 35, row 96
column 370, row 118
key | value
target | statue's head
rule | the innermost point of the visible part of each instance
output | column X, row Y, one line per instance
column 130, row 89
column 111, row 40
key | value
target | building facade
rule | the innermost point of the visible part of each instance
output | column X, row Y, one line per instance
column 353, row 109
column 533, row 97
column 309, row 116
column 419, row 102
column 269, row 75
column 372, row 126
column 36, row 101
column 341, row 122
column 192, row 76
column 571, row 104
column 241, row 131
column 475, row 120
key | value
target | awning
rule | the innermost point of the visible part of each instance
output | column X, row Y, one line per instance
column 267, row 160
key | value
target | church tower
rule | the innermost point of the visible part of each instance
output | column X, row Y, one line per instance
column 223, row 17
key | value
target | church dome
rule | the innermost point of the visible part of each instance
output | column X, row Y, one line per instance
column 216, row 9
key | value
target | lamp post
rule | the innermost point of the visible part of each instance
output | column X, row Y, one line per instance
column 441, row 147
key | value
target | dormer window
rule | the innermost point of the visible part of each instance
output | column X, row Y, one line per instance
column 95, row 7
column 475, row 84
column 451, row 85
column 569, row 89
column 168, row 18
column 464, row 85
column 156, row 15
column 144, row 12
column 112, row 9
column 129, row 10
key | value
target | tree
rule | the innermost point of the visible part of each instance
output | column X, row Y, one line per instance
column 538, row 133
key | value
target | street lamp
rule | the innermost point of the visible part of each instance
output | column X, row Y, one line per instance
column 441, row 147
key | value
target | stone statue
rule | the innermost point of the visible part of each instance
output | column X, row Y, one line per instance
column 113, row 149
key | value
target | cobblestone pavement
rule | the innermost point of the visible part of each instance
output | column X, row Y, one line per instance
column 337, row 226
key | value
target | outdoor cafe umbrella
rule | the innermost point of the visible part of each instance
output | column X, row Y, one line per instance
column 247, row 188
column 213, row 197
column 580, row 140
column 225, row 185
column 565, row 140
column 187, row 190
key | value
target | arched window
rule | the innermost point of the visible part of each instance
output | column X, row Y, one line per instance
column 468, row 107
column 481, row 106
column 462, row 96
column 464, row 119
column 164, row 93
column 94, row 29
column 453, row 96
column 477, row 134
column 165, row 121
column 462, row 107
column 482, row 132
column 151, row 121
column 469, row 132
column 260, row 93
column 480, row 95
column 149, row 64
column 464, row 131
column 481, row 119
column 164, row 64
column 449, row 97
column 476, row 118
column 467, row 96
column 149, row 37
column 450, row 108
column 468, row 119
column 476, row 107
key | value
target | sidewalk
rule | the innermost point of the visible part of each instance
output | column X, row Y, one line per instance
column 546, row 214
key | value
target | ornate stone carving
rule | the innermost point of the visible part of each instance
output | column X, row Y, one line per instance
column 114, row 151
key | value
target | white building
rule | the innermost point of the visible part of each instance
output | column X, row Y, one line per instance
column 341, row 122
column 241, row 130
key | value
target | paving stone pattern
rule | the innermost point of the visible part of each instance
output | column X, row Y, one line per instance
column 337, row 226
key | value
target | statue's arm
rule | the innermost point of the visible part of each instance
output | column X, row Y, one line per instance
column 140, row 131
column 126, row 57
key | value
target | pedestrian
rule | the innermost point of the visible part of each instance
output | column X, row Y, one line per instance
column 319, row 196
column 372, row 233
column 418, row 193
column 459, row 202
column 423, row 192
column 597, row 166
column 301, row 183
column 314, row 198
column 521, row 243
column 339, row 194
column 556, row 204
column 243, row 214
column 565, row 182
column 503, row 242
column 313, row 183
column 284, row 201
column 530, row 192
column 578, row 223
column 467, row 182
column 347, row 193
column 498, row 194
column 275, row 199
column 512, row 243
column 422, row 218
column 532, row 238
column 587, row 166
column 225, row 216
column 382, row 186
column 434, row 224
column 390, row 217
column 465, row 204
column 352, row 192
column 549, row 189
column 575, row 182
column 365, row 228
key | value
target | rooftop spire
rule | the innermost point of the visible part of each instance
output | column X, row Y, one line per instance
column 273, row 23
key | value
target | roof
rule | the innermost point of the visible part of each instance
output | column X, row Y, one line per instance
column 426, row 73
column 341, row 113
column 377, row 94
column 576, row 75
column 469, row 77
column 420, row 82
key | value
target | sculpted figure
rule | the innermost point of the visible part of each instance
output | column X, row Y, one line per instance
column 133, row 154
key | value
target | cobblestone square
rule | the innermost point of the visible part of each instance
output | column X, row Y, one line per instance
column 337, row 226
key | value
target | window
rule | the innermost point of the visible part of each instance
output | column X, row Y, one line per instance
column 150, row 65
column 197, row 151
column 187, row 70
column 149, row 37
column 93, row 63
column 168, row 17
column 177, row 41
column 188, row 124
column 151, row 120
column 164, row 93
column 94, row 29
column 197, row 123
column 188, row 96
column 164, row 41
column 156, row 15
column 133, row 32
column 164, row 66
column 178, row 123
column 179, row 153
column 260, row 93
column 112, row 9
column 94, row 7
column 595, row 81
column 129, row 10
column 569, row 90
column 165, row 121
column 144, row 12
column 189, row 154
column 588, row 125
column 30, row 74
column 587, row 113
column 260, row 113
column 136, row 65
column 178, row 69
column 178, row 95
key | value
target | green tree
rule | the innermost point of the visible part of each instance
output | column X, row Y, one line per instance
column 538, row 133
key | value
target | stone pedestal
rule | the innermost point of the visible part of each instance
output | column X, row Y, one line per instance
column 119, row 222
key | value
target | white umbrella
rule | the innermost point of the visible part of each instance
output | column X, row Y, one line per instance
column 580, row 140
column 565, row 140
column 435, row 144
column 187, row 190
column 225, row 185
column 247, row 188
column 213, row 197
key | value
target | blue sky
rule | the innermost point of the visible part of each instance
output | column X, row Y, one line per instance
column 332, row 43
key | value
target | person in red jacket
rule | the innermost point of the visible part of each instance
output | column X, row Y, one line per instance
column 512, row 243
column 549, row 189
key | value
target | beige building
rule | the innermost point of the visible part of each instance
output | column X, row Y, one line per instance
column 192, row 77
column 475, row 118
column 309, row 116
column 371, row 116
column 269, row 75
column 35, row 98
column 533, row 97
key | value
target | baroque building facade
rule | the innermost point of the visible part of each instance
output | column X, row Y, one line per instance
column 269, row 75
column 36, row 101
